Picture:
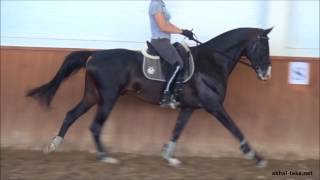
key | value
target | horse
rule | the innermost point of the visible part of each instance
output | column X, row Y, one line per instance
column 114, row 72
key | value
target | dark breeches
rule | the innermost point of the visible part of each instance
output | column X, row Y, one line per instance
column 167, row 51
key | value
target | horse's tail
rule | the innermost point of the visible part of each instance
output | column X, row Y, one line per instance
column 72, row 63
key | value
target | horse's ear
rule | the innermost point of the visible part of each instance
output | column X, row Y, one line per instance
column 267, row 31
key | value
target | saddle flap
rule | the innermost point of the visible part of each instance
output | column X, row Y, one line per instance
column 183, row 52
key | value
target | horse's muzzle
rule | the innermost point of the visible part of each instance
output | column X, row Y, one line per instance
column 264, row 75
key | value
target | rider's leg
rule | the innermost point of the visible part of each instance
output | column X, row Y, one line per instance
column 170, row 54
column 170, row 84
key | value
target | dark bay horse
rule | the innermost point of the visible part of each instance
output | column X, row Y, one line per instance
column 111, row 73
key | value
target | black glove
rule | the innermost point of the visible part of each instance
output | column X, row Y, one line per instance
column 188, row 34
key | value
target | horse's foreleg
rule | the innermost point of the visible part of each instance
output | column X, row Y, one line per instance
column 168, row 149
column 223, row 117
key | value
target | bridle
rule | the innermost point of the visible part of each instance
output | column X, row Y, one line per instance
column 254, row 46
column 253, row 66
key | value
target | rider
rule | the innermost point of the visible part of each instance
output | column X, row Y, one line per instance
column 161, row 30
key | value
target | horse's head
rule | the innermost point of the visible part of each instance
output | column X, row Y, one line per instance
column 257, row 51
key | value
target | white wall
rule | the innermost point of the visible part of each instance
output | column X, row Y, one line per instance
column 113, row 24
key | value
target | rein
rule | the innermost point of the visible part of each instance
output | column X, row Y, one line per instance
column 223, row 53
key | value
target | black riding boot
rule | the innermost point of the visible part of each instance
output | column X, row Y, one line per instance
column 168, row 98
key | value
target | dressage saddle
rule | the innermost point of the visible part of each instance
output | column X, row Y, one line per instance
column 156, row 64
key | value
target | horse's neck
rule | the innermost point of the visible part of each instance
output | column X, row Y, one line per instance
column 225, row 58
column 236, row 54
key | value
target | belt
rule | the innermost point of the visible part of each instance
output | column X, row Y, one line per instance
column 160, row 38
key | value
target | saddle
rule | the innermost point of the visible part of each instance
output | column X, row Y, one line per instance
column 156, row 68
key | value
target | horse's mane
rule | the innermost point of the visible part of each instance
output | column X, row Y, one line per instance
column 229, row 38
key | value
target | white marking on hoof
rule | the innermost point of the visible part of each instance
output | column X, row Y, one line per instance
column 174, row 162
column 110, row 160
column 262, row 164
column 55, row 143
column 250, row 155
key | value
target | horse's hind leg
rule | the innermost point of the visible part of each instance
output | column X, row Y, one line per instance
column 108, row 99
column 89, row 99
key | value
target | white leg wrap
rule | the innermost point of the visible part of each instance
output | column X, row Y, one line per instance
column 167, row 154
column 53, row 145
column 168, row 150
column 250, row 154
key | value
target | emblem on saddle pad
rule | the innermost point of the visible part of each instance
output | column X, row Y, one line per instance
column 151, row 70
column 154, row 68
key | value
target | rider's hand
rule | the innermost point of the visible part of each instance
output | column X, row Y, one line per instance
column 188, row 34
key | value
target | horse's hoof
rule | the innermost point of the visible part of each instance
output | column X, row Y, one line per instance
column 109, row 160
column 174, row 162
column 53, row 145
column 48, row 149
column 262, row 164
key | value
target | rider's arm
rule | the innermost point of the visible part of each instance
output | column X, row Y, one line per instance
column 164, row 25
